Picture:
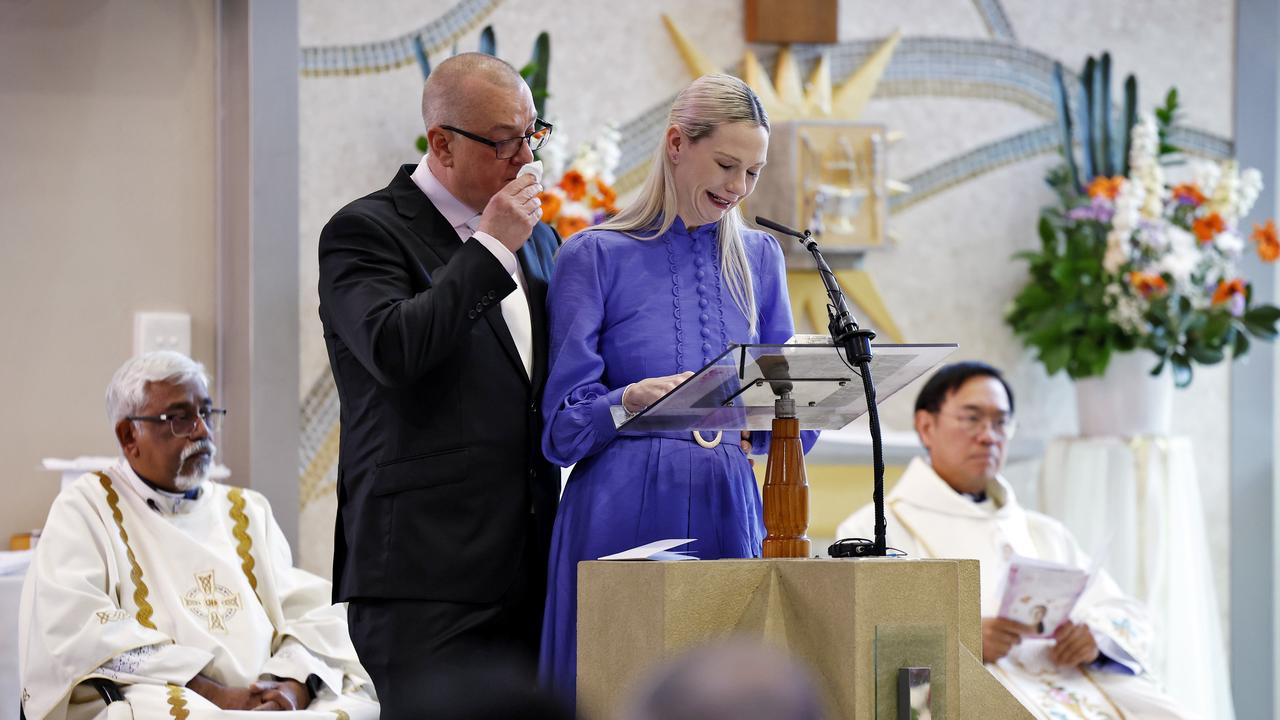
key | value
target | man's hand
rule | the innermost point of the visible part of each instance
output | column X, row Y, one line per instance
column 640, row 395
column 1073, row 645
column 224, row 696
column 999, row 635
column 512, row 212
column 286, row 694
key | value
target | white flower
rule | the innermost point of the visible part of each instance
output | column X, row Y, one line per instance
column 554, row 155
column 608, row 152
column 1250, row 187
column 1117, row 253
column 1151, row 236
column 1183, row 256
column 1205, row 175
column 576, row 209
column 1128, row 205
column 1229, row 243
column 1124, row 309
column 1144, row 169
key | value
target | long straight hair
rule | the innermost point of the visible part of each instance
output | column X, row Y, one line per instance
column 706, row 104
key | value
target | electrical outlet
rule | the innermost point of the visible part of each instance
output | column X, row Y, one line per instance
column 161, row 331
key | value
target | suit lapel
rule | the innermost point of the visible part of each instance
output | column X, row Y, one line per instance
column 440, row 239
column 500, row 329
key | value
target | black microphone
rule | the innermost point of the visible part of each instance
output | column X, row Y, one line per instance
column 856, row 344
column 806, row 237
column 844, row 329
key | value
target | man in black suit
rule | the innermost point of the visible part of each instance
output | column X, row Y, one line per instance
column 432, row 296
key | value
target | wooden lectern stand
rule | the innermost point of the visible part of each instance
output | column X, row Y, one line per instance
column 854, row 622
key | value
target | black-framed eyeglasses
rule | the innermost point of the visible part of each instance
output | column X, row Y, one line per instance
column 183, row 424
column 509, row 148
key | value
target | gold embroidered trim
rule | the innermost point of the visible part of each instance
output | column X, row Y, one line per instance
column 177, row 704
column 244, row 544
column 140, row 590
column 341, row 715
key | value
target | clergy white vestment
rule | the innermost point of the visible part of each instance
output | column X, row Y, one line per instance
column 926, row 518
column 148, row 589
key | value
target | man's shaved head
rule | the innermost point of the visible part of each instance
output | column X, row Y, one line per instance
column 447, row 95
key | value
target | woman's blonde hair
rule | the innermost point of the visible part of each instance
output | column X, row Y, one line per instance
column 706, row 104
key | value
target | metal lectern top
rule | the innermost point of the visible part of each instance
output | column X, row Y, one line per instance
column 736, row 391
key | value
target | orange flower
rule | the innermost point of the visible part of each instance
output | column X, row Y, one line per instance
column 1189, row 194
column 1147, row 284
column 570, row 224
column 1103, row 186
column 606, row 198
column 550, row 205
column 1207, row 227
column 1228, row 289
column 1268, row 245
column 574, row 185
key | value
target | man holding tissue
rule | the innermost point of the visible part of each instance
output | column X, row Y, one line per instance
column 432, row 295
column 955, row 504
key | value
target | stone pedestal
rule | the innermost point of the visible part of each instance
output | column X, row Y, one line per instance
column 835, row 615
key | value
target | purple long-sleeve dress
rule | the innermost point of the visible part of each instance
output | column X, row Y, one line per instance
column 622, row 310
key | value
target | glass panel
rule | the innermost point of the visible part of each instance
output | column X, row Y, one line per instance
column 736, row 391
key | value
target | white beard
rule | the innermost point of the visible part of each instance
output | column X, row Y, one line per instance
column 199, row 473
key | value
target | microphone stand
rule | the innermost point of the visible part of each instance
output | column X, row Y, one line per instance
column 855, row 343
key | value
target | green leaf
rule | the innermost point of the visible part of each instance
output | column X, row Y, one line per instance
column 1241, row 343
column 1181, row 371
column 1205, row 355
column 1055, row 358
column 1263, row 315
column 421, row 143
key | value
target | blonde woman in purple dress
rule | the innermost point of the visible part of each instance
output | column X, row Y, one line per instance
column 635, row 306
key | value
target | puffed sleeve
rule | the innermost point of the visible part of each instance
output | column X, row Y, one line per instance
column 576, row 402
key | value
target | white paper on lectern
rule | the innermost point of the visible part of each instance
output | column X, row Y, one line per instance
column 657, row 550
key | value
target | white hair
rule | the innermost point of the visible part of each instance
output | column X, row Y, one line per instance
column 706, row 104
column 127, row 392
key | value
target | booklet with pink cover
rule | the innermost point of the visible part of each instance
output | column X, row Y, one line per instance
column 1041, row 594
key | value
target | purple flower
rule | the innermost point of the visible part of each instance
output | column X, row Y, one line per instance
column 1235, row 305
column 1099, row 209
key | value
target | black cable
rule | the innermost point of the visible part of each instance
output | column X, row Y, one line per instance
column 877, row 460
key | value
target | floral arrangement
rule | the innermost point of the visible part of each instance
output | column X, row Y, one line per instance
column 1138, row 260
column 583, row 195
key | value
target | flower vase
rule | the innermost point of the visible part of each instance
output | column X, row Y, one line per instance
column 1127, row 400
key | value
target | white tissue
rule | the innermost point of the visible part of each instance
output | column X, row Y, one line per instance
column 534, row 168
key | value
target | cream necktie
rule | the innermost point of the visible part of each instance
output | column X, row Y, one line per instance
column 515, row 312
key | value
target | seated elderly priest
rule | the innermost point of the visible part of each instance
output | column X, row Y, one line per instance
column 178, row 590
column 956, row 505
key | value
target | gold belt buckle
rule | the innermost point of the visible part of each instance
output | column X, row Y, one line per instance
column 708, row 444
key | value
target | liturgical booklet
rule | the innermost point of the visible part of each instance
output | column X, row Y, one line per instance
column 658, row 550
column 1041, row 593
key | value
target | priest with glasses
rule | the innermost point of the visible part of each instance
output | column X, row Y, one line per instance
column 174, row 594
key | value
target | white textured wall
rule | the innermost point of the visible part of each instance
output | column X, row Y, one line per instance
column 948, row 278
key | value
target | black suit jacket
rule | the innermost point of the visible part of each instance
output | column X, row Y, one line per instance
column 440, row 458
